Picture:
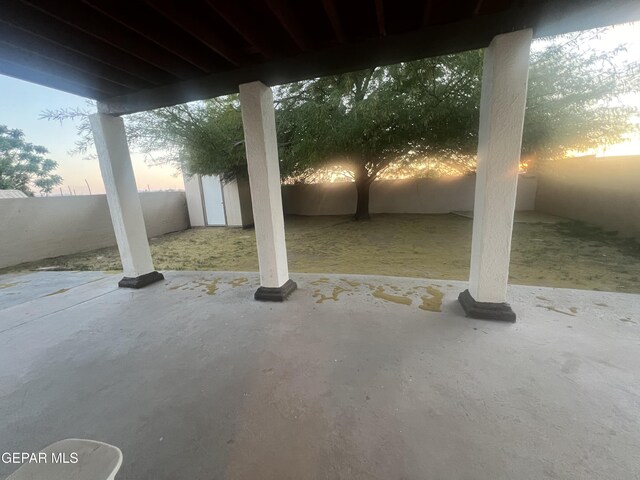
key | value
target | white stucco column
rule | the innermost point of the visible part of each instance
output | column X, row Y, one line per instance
column 502, row 109
column 259, row 123
column 124, row 203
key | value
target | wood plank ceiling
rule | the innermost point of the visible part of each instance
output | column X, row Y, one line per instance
column 139, row 54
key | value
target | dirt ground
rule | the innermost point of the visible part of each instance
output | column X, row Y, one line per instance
column 567, row 254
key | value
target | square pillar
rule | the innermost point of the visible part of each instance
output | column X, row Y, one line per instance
column 502, row 109
column 124, row 203
column 259, row 123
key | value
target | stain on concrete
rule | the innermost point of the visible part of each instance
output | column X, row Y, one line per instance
column 238, row 282
column 380, row 293
column 57, row 292
column 601, row 304
column 334, row 295
column 212, row 287
column 320, row 281
column 175, row 287
column 433, row 301
column 9, row 285
column 552, row 308
column 628, row 320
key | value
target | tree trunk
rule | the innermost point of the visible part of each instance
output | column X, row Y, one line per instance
column 363, row 184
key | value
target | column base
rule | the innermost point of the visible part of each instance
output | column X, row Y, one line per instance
column 485, row 310
column 141, row 281
column 275, row 294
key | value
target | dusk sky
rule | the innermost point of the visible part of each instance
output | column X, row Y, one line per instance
column 21, row 104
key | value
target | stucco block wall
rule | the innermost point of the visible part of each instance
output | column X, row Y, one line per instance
column 164, row 212
column 237, row 203
column 420, row 195
column 601, row 191
column 42, row 227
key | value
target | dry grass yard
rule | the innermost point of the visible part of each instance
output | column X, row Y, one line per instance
column 567, row 254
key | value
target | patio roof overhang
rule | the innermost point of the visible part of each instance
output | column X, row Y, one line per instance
column 138, row 55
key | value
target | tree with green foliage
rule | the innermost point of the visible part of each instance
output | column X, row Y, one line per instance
column 23, row 165
column 376, row 117
column 430, row 107
column 393, row 115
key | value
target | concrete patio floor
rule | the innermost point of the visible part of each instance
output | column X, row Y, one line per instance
column 355, row 377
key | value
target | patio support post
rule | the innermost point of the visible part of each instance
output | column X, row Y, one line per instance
column 259, row 123
column 124, row 202
column 502, row 109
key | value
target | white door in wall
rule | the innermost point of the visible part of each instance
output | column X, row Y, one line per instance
column 213, row 201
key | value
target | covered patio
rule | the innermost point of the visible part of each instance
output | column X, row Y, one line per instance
column 192, row 380
column 131, row 58
column 351, row 376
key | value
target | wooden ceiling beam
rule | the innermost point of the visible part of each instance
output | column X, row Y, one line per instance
column 151, row 29
column 427, row 12
column 246, row 25
column 41, row 25
column 197, row 28
column 72, row 29
column 290, row 23
column 29, row 42
column 382, row 29
column 87, row 20
column 334, row 19
column 483, row 7
column 52, row 81
column 34, row 61
column 466, row 34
